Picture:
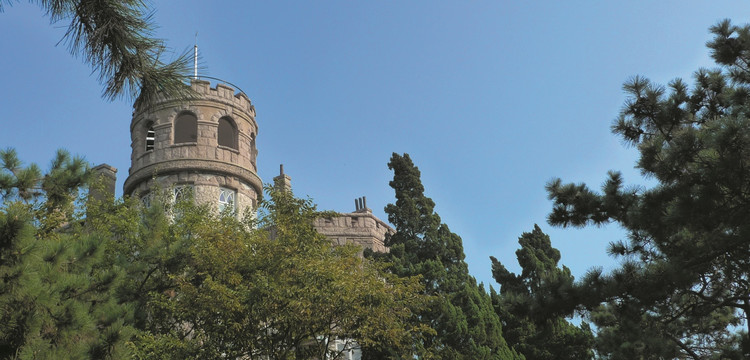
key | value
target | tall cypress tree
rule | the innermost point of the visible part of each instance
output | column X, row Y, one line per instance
column 466, row 327
column 532, row 304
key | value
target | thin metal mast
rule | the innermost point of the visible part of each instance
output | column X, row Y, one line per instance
column 195, row 57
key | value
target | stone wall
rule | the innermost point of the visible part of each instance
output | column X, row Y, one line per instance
column 206, row 188
column 360, row 228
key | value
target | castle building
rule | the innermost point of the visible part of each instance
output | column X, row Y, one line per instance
column 206, row 145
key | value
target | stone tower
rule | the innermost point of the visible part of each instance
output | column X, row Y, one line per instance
column 205, row 144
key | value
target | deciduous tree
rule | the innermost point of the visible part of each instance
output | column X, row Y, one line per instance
column 217, row 287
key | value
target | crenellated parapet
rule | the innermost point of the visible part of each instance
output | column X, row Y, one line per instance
column 221, row 93
column 205, row 141
column 360, row 228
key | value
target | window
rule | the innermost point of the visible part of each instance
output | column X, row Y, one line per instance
column 146, row 200
column 227, row 133
column 150, row 137
column 253, row 151
column 182, row 193
column 185, row 128
column 227, row 199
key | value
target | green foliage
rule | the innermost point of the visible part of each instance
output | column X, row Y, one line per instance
column 212, row 286
column 180, row 281
column 115, row 38
column 56, row 290
column 461, row 313
column 685, row 268
column 53, row 193
column 633, row 330
column 529, row 304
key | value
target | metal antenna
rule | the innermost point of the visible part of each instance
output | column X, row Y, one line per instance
column 195, row 58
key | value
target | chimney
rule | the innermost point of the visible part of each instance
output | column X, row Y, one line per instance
column 282, row 182
column 360, row 205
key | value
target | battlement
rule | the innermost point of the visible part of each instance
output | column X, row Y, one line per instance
column 361, row 228
column 223, row 93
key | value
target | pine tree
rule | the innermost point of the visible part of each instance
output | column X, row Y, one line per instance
column 466, row 327
column 115, row 37
column 685, row 265
column 528, row 303
column 56, row 289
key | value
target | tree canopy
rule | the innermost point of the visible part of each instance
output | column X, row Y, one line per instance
column 461, row 311
column 177, row 280
column 528, row 304
column 268, row 289
column 57, row 292
column 686, row 262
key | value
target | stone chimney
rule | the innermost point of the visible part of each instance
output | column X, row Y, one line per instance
column 282, row 182
column 360, row 205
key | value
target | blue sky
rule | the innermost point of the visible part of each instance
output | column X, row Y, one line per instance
column 491, row 99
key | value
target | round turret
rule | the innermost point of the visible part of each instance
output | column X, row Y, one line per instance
column 206, row 143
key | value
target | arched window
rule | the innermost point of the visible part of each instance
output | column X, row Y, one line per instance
column 227, row 133
column 181, row 193
column 146, row 200
column 227, row 199
column 185, row 128
column 150, row 136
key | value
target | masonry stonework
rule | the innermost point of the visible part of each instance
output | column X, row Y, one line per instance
column 360, row 228
column 202, row 164
column 160, row 162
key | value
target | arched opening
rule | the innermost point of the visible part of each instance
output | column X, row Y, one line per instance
column 253, row 150
column 227, row 199
column 185, row 128
column 227, row 133
column 150, row 136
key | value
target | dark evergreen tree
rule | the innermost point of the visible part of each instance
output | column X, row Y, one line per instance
column 636, row 330
column 528, row 304
column 466, row 327
column 56, row 289
column 685, row 269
